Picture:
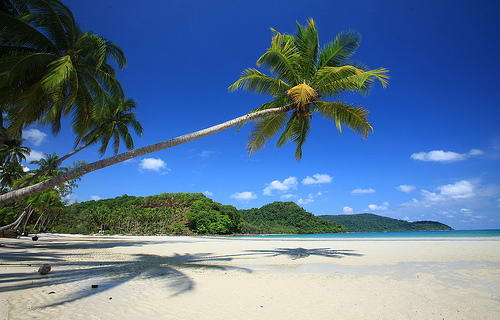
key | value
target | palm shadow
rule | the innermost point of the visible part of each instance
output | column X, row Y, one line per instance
column 300, row 253
column 110, row 274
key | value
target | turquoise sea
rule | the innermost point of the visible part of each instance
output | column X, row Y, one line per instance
column 491, row 233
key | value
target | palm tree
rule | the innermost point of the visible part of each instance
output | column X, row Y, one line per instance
column 49, row 161
column 50, row 69
column 111, row 122
column 305, row 75
column 10, row 172
column 13, row 151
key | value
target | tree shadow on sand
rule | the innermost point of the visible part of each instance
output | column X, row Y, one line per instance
column 299, row 253
column 83, row 268
column 110, row 274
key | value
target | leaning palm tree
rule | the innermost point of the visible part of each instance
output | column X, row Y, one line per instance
column 110, row 122
column 305, row 74
column 50, row 69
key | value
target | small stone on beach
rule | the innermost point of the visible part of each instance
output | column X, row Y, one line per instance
column 44, row 269
column 94, row 286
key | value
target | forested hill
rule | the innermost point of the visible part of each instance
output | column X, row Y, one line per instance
column 184, row 213
column 366, row 222
column 285, row 217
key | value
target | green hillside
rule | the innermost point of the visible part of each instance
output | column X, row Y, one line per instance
column 185, row 213
column 285, row 217
column 366, row 222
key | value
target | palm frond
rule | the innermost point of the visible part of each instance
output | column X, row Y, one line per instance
column 282, row 58
column 354, row 117
column 307, row 42
column 253, row 80
column 335, row 53
column 264, row 130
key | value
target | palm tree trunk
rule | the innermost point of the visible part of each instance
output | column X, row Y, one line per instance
column 53, row 166
column 80, row 171
column 15, row 223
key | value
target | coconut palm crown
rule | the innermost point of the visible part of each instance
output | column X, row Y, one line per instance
column 50, row 69
column 303, row 74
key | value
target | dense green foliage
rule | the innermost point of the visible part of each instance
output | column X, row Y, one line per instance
column 175, row 213
column 185, row 213
column 366, row 222
column 285, row 217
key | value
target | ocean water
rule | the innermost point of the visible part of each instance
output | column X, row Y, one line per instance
column 493, row 234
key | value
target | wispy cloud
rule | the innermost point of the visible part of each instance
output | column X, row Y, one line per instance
column 405, row 188
column 34, row 136
column 244, row 196
column 379, row 207
column 310, row 198
column 208, row 193
column 95, row 197
column 363, row 191
column 288, row 196
column 317, row 178
column 444, row 156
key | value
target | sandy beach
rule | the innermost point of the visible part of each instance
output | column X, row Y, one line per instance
column 234, row 278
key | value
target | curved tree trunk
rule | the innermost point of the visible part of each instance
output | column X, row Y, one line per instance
column 15, row 223
column 55, row 165
column 80, row 171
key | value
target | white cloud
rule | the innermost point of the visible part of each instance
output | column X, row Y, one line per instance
column 445, row 156
column 244, row 196
column 459, row 190
column 317, row 179
column 26, row 169
column 347, row 210
column 34, row 156
column 208, row 193
column 287, row 196
column 405, row 188
column 374, row 207
column 310, row 198
column 285, row 185
column 34, row 136
column 95, row 198
column 363, row 191
column 153, row 164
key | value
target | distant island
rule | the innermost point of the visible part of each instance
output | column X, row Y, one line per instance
column 367, row 222
column 194, row 213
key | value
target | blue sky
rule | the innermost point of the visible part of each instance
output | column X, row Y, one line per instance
column 436, row 125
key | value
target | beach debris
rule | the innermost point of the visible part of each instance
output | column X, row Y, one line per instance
column 110, row 298
column 44, row 269
column 34, row 238
column 94, row 286
column 52, row 292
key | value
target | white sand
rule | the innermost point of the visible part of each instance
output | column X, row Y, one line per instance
column 218, row 278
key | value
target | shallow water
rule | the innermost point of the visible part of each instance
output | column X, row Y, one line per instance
column 454, row 234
